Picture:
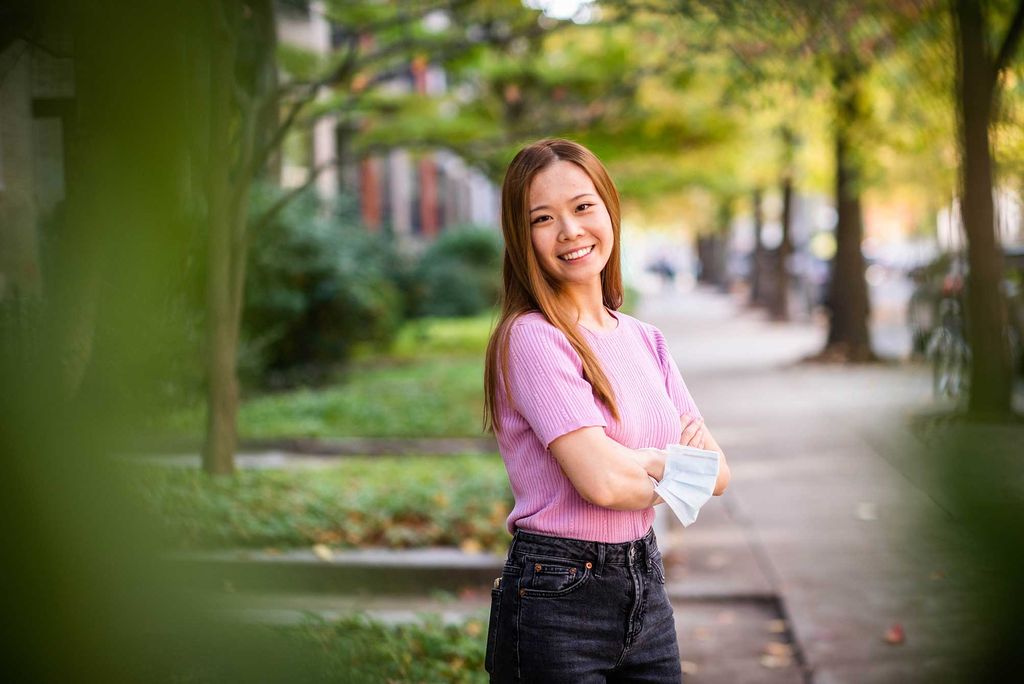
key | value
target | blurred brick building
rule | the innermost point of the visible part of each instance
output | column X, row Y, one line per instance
column 414, row 195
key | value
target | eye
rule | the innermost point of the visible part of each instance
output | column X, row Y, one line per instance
column 539, row 219
column 584, row 206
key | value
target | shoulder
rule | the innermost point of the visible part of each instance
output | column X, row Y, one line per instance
column 533, row 338
column 649, row 332
column 533, row 329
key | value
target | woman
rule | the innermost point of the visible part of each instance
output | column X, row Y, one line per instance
column 574, row 389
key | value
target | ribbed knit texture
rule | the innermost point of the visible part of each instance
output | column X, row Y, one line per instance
column 551, row 398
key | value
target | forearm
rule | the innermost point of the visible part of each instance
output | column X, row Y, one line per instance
column 605, row 472
column 724, row 475
column 632, row 486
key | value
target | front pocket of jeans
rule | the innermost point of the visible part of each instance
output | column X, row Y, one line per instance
column 492, row 628
column 658, row 567
column 549, row 576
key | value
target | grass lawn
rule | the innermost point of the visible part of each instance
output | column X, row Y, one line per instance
column 429, row 384
column 407, row 501
column 355, row 648
column 359, row 649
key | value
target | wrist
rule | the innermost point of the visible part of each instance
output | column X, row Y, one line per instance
column 653, row 462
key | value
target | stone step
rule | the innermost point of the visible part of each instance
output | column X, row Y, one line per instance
column 293, row 609
column 377, row 571
column 283, row 452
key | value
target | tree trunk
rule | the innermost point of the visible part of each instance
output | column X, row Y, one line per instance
column 242, row 101
column 779, row 305
column 757, row 258
column 848, row 335
column 711, row 248
column 990, row 373
column 221, row 336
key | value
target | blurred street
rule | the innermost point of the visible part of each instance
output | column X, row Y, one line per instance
column 829, row 523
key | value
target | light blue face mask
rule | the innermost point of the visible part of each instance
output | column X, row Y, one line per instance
column 689, row 479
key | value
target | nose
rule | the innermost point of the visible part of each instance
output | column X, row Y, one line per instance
column 571, row 229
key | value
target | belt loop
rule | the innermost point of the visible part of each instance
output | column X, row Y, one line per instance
column 512, row 546
column 650, row 541
column 599, row 564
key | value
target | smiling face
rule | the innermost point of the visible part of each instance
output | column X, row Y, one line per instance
column 570, row 227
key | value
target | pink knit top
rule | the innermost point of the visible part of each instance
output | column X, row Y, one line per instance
column 551, row 398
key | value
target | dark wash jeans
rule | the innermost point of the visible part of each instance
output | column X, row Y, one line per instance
column 569, row 610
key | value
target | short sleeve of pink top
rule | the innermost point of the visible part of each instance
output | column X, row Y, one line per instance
column 550, row 398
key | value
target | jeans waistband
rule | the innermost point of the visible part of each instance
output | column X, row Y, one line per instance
column 601, row 553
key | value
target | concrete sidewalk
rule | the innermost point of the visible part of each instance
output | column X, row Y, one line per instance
column 828, row 514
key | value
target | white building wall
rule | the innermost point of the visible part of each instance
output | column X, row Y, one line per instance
column 401, row 172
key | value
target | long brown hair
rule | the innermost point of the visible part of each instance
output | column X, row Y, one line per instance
column 526, row 287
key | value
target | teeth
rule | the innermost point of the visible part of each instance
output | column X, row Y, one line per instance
column 577, row 254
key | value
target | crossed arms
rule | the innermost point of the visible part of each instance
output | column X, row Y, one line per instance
column 611, row 475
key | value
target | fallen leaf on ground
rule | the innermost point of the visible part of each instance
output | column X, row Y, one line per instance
column 774, row 662
column 471, row 546
column 689, row 667
column 471, row 593
column 323, row 552
column 717, row 560
column 937, row 575
column 776, row 626
column 894, row 635
column 776, row 648
column 866, row 510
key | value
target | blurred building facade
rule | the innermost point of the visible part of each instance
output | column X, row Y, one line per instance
column 36, row 119
column 413, row 194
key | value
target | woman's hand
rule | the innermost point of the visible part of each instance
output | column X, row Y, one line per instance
column 693, row 433
column 652, row 460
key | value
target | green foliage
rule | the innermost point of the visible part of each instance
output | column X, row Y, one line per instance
column 431, row 397
column 318, row 284
column 444, row 500
column 423, row 337
column 299, row 62
column 358, row 648
column 459, row 274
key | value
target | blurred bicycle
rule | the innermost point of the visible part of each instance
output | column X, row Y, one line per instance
column 947, row 347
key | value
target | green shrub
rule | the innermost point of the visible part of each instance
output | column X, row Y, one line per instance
column 318, row 285
column 459, row 274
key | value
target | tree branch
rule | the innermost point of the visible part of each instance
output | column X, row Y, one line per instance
column 1010, row 42
column 285, row 199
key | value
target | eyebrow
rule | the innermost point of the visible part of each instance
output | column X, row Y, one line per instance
column 544, row 206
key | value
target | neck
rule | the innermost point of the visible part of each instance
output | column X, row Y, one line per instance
column 585, row 304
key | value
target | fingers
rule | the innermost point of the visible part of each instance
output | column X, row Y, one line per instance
column 693, row 433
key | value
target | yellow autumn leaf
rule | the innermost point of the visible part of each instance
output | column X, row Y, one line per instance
column 471, row 545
